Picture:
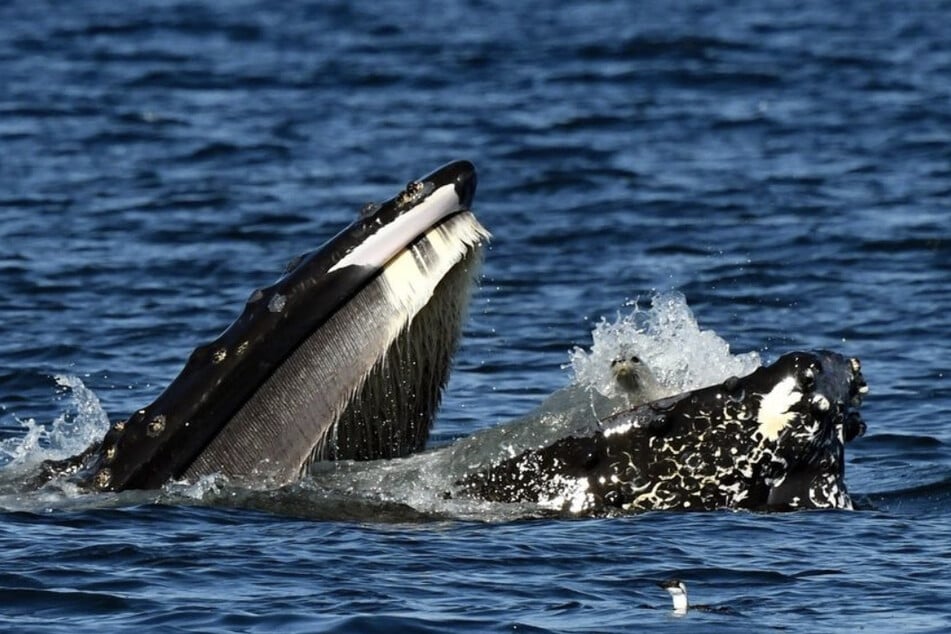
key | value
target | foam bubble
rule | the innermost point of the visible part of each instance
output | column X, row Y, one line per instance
column 83, row 422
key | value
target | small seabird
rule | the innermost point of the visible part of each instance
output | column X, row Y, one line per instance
column 678, row 592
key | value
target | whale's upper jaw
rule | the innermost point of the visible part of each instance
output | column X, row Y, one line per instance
column 384, row 229
column 772, row 440
column 401, row 248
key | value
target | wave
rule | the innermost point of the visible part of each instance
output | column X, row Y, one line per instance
column 930, row 492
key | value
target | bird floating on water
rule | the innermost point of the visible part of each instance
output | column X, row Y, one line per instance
column 678, row 592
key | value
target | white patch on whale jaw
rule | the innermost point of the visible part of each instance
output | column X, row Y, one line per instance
column 775, row 408
column 827, row 492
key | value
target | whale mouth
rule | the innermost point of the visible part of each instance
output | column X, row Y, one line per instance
column 332, row 361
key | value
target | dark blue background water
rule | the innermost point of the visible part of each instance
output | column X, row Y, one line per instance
column 786, row 167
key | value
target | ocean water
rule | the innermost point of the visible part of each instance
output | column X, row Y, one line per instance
column 777, row 175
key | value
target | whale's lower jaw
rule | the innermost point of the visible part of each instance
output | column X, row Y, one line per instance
column 773, row 440
column 366, row 385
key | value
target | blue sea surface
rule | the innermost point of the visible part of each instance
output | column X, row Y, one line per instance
column 786, row 166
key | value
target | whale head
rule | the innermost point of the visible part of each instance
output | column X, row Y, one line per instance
column 344, row 357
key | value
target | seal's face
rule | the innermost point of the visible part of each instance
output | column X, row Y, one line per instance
column 626, row 371
column 771, row 440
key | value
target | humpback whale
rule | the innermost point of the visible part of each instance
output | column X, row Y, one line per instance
column 772, row 440
column 346, row 355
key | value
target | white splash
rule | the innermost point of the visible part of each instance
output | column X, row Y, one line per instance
column 83, row 422
column 204, row 487
column 572, row 495
column 669, row 340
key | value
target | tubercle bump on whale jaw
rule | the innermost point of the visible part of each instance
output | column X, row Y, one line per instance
column 772, row 440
